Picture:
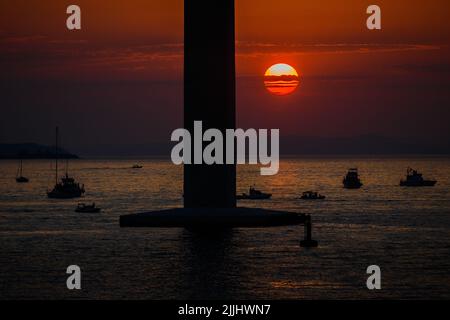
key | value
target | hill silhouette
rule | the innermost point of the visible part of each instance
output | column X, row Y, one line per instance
column 32, row 151
column 291, row 145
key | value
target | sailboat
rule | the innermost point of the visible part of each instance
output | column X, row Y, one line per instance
column 67, row 188
column 19, row 176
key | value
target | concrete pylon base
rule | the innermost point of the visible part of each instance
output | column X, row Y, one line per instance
column 212, row 218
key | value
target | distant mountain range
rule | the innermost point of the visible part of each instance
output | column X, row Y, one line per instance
column 289, row 145
column 292, row 145
column 364, row 144
column 32, row 151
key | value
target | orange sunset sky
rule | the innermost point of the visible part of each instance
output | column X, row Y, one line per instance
column 119, row 79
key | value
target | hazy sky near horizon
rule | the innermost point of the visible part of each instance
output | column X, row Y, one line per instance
column 119, row 79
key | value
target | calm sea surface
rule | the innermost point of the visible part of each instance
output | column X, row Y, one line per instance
column 404, row 231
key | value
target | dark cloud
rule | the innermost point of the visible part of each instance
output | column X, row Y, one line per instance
column 253, row 48
column 426, row 68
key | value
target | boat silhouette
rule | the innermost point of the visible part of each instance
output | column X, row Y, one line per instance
column 66, row 188
column 85, row 208
column 310, row 195
column 415, row 179
column 351, row 180
column 254, row 194
column 19, row 176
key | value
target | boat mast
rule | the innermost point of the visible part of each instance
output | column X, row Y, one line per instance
column 56, row 157
column 18, row 171
column 21, row 167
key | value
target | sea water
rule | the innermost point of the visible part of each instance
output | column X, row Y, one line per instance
column 405, row 231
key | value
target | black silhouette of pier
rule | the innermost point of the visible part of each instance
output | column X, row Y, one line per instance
column 209, row 96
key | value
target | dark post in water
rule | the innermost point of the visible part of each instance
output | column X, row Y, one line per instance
column 209, row 95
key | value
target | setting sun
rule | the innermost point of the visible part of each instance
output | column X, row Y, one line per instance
column 281, row 79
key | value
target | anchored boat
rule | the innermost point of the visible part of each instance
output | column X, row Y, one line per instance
column 19, row 176
column 415, row 179
column 310, row 195
column 84, row 208
column 351, row 180
column 254, row 194
column 67, row 188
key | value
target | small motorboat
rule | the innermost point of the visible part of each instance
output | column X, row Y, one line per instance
column 351, row 180
column 415, row 179
column 136, row 166
column 254, row 194
column 310, row 195
column 87, row 208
